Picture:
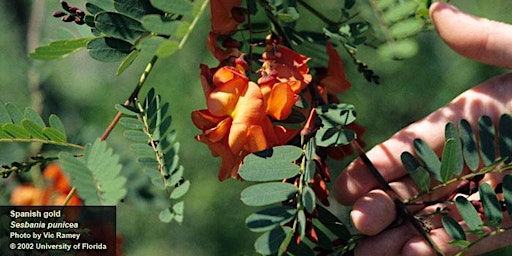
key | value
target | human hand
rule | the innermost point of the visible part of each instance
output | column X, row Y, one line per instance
column 476, row 38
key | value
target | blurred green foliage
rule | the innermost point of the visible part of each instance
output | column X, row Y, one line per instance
column 83, row 93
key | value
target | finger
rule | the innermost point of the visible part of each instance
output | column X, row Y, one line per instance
column 373, row 213
column 473, row 37
column 389, row 242
column 492, row 98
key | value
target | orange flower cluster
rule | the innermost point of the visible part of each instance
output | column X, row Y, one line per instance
column 54, row 193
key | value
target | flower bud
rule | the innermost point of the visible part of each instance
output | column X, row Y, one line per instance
column 64, row 5
column 79, row 21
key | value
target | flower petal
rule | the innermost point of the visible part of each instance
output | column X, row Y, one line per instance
column 280, row 101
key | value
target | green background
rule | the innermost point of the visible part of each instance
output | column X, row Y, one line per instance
column 83, row 92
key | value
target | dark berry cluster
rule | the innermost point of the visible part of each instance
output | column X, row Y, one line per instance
column 70, row 13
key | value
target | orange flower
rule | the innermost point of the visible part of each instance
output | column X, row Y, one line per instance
column 235, row 122
column 54, row 193
column 335, row 81
column 219, row 53
column 225, row 16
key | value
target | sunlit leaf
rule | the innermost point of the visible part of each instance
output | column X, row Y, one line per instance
column 491, row 205
column 400, row 11
column 57, row 124
column 127, row 62
column 273, row 164
column 4, row 114
column 60, row 49
column 167, row 48
column 429, row 158
column 35, row 130
column 486, row 137
column 401, row 49
column 268, row 193
column 166, row 215
column 54, row 134
column 270, row 241
column 270, row 218
column 505, row 137
column 468, row 213
column 469, row 146
column 16, row 131
column 453, row 228
column 14, row 112
column 181, row 190
column 33, row 116
column 406, row 28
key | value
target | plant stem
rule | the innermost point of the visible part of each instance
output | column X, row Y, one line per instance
column 402, row 210
column 133, row 96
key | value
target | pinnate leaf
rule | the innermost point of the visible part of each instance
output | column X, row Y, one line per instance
column 505, row 137
column 468, row 213
column 453, row 228
column 270, row 218
column 273, row 164
column 268, row 193
column 486, row 137
column 491, row 205
column 271, row 241
column 97, row 177
column 183, row 7
column 469, row 146
column 60, row 49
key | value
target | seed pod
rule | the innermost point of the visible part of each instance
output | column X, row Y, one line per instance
column 64, row 5
column 58, row 14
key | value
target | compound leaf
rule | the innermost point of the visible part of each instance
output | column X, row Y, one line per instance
column 272, row 164
column 505, row 137
column 469, row 145
column 453, row 228
column 270, row 241
column 468, row 213
column 268, row 193
column 491, row 205
column 270, row 218
column 486, row 137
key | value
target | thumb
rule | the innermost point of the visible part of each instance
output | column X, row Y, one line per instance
column 473, row 37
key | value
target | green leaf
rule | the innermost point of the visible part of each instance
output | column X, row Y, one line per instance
column 335, row 115
column 135, row 8
column 507, row 192
column 131, row 123
column 16, row 131
column 301, row 221
column 33, row 116
column 54, row 134
column 453, row 228
column 142, row 149
column 97, row 177
column 406, row 28
column 180, row 190
column 166, row 215
column 419, row 175
column 491, row 205
column 119, row 26
column 400, row 11
column 127, row 110
column 429, row 158
column 468, row 213
column 449, row 160
column 270, row 241
column 127, row 62
column 331, row 222
column 15, row 113
column 4, row 114
column 35, row 130
column 451, row 133
column 60, row 49
column 288, row 14
column 273, row 164
column 267, row 193
column 167, row 48
column 159, row 24
column 309, row 199
column 505, row 137
column 270, row 218
column 326, row 137
column 399, row 50
column 486, row 136
column 136, row 136
column 183, row 7
column 109, row 49
column 57, row 124
column 469, row 146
